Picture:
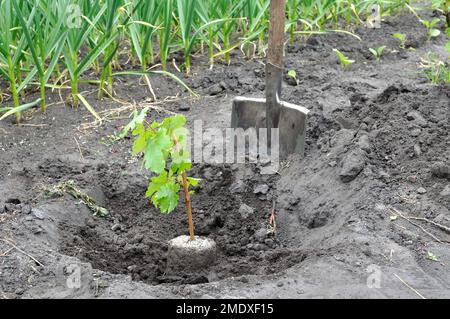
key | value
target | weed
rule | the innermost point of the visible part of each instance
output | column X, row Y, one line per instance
column 343, row 60
column 443, row 7
column 431, row 30
column 432, row 256
column 293, row 75
column 377, row 53
column 435, row 70
column 402, row 38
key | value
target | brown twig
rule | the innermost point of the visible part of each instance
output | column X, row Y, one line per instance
column 6, row 252
column 108, row 115
column 21, row 251
column 273, row 217
column 398, row 213
column 79, row 148
column 150, row 87
column 442, row 227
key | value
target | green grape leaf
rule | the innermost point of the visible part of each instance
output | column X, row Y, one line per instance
column 141, row 141
column 139, row 129
column 156, row 183
column 181, row 134
column 163, row 191
column 194, row 181
column 168, row 197
column 292, row 74
column 138, row 118
column 155, row 125
column 174, row 122
column 181, row 161
column 155, row 151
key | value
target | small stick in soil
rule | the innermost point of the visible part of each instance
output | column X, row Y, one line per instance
column 272, row 219
column 107, row 115
column 21, row 251
column 442, row 227
column 411, row 288
column 397, row 212
column 150, row 87
column 6, row 252
column 79, row 148
column 32, row 125
column 174, row 63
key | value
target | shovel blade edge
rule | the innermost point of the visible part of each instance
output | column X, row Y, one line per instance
column 251, row 113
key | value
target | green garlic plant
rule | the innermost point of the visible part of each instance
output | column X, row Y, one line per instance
column 66, row 44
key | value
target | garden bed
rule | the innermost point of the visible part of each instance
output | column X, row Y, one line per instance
column 335, row 227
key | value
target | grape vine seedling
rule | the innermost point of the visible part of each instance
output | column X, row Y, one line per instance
column 343, row 60
column 164, row 146
column 402, row 38
column 377, row 53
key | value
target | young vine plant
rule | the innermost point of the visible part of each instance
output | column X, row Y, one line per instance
column 166, row 155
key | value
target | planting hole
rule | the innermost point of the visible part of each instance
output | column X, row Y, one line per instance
column 134, row 238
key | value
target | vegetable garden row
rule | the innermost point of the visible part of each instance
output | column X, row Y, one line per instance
column 54, row 44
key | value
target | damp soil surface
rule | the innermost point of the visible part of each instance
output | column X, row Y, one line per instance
column 366, row 213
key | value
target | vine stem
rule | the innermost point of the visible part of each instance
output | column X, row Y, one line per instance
column 187, row 195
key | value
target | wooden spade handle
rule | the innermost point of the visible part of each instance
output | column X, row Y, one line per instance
column 276, row 32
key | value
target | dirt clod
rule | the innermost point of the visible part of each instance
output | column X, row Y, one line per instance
column 352, row 165
column 441, row 170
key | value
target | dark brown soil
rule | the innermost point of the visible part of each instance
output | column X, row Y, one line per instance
column 377, row 140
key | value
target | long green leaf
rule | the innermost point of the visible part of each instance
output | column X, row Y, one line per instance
column 20, row 109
